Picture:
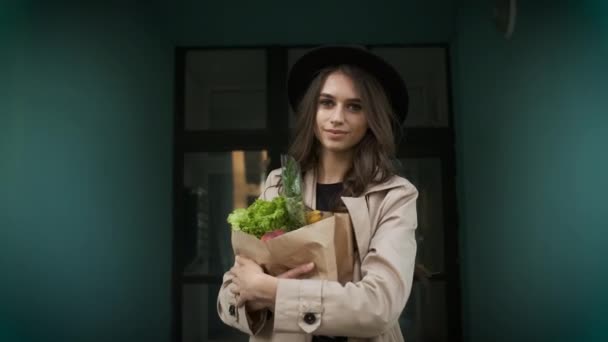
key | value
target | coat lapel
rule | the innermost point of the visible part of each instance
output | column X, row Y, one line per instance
column 310, row 189
column 359, row 214
column 356, row 206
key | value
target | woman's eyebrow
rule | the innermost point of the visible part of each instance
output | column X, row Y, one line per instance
column 355, row 99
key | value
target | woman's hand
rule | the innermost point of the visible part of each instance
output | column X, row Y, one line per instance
column 255, row 288
column 249, row 282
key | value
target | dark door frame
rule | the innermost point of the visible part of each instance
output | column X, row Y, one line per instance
column 420, row 142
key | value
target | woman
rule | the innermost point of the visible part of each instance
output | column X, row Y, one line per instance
column 347, row 101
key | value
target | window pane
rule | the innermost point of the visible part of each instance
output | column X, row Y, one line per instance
column 200, row 320
column 225, row 89
column 424, row 318
column 215, row 184
column 424, row 70
column 425, row 174
column 425, row 315
column 292, row 56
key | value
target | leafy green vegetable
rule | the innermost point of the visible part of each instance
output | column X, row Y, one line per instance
column 291, row 176
column 286, row 211
column 261, row 217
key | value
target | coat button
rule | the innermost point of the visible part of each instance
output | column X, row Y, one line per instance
column 310, row 318
column 232, row 310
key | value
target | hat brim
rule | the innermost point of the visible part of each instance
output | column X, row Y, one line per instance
column 308, row 66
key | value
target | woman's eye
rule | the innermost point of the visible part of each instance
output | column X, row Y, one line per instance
column 353, row 107
column 326, row 103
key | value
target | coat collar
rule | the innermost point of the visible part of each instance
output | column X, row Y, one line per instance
column 310, row 182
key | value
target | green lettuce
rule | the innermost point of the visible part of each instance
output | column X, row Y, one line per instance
column 261, row 217
column 286, row 211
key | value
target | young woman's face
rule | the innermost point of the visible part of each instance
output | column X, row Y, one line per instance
column 341, row 120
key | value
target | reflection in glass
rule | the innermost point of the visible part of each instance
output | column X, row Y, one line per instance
column 215, row 184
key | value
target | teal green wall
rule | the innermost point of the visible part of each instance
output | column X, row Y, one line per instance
column 86, row 137
column 85, row 174
column 532, row 133
column 312, row 22
column 85, row 140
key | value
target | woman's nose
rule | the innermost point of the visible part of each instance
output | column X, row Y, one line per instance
column 337, row 115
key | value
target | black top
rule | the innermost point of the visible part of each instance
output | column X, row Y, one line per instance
column 328, row 196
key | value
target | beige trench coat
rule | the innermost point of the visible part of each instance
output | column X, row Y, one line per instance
column 384, row 221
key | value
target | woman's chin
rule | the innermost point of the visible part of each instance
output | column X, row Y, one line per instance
column 337, row 148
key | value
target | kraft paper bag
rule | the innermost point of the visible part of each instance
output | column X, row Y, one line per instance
column 327, row 243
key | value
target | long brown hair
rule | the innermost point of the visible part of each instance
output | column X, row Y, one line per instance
column 373, row 155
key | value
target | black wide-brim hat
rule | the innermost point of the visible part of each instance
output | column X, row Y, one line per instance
column 309, row 65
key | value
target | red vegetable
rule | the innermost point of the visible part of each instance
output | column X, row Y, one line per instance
column 272, row 234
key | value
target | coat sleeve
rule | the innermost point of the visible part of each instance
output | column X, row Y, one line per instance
column 239, row 318
column 370, row 306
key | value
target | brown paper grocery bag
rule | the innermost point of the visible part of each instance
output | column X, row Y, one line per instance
column 344, row 246
column 327, row 243
column 311, row 243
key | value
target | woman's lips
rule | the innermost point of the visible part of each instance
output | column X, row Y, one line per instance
column 335, row 134
column 335, row 131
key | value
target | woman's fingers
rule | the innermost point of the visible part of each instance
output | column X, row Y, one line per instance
column 298, row 271
column 254, row 305
column 247, row 265
column 293, row 273
column 241, row 260
column 234, row 289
